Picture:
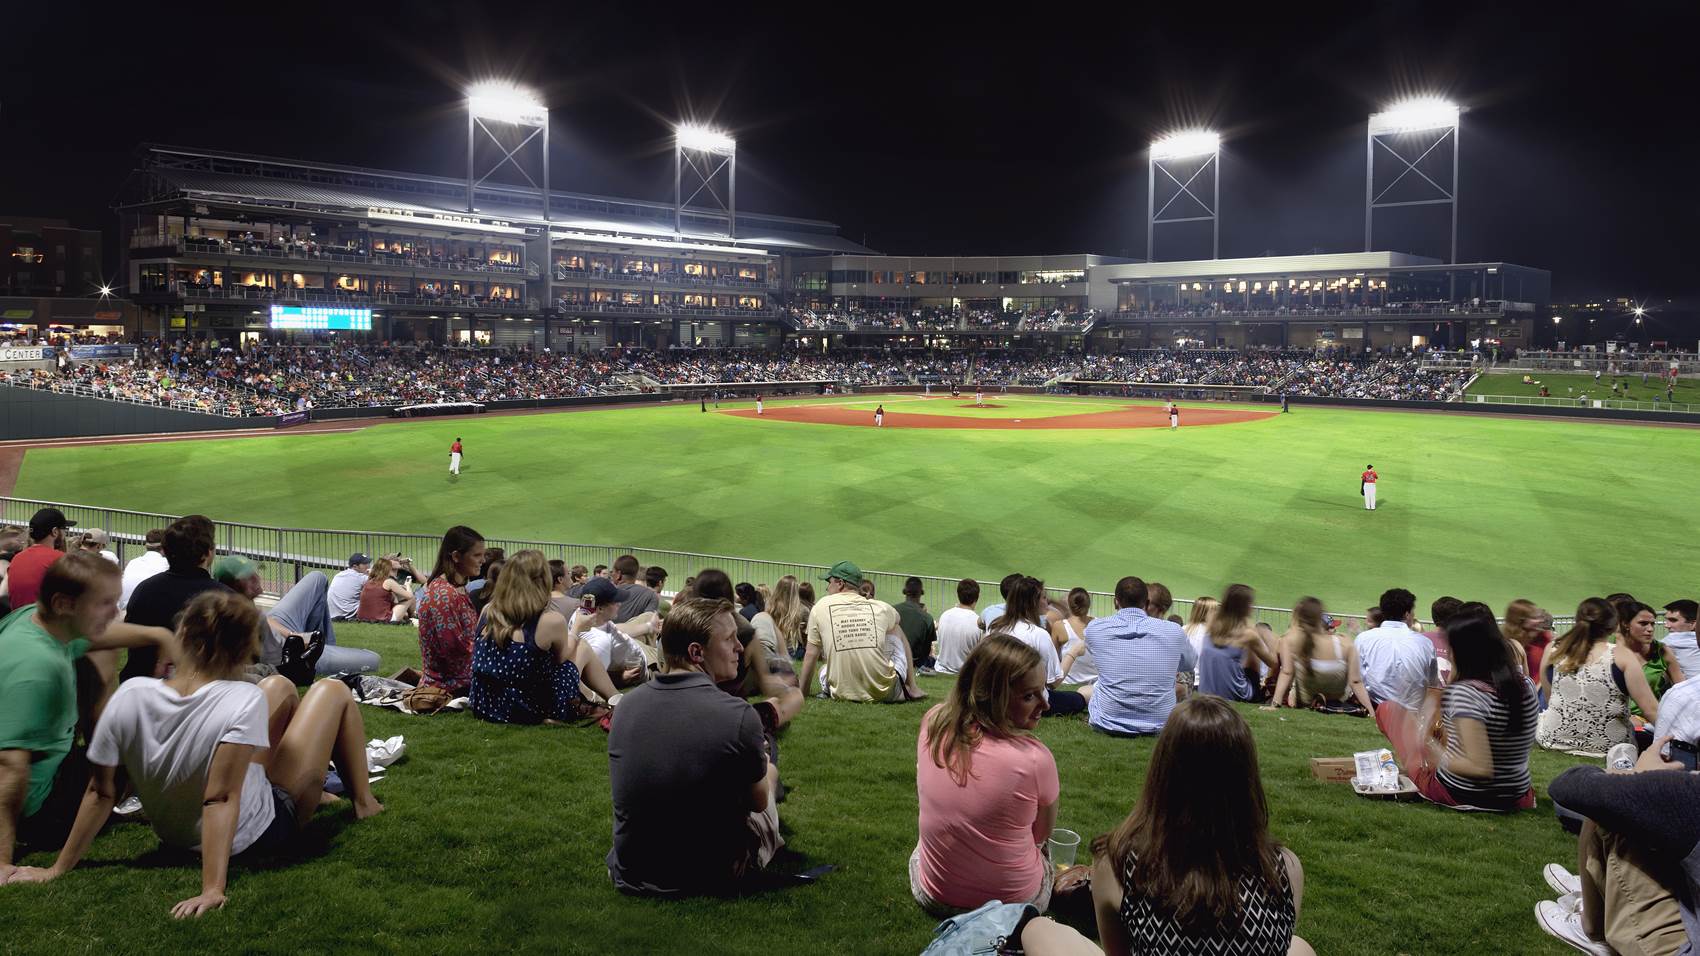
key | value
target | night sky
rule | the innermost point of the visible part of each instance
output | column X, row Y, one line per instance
column 992, row 131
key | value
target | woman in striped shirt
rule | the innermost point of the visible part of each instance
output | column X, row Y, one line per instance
column 1489, row 712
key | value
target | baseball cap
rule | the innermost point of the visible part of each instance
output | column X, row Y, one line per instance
column 229, row 568
column 356, row 559
column 603, row 590
column 845, row 571
column 45, row 520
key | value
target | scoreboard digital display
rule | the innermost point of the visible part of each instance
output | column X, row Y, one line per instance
column 321, row 318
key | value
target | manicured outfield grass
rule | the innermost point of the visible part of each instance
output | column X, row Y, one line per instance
column 1568, row 385
column 1483, row 508
column 494, row 839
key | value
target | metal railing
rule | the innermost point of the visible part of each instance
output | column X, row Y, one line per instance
column 1556, row 402
column 284, row 555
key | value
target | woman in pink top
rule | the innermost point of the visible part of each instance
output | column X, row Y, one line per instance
column 987, row 786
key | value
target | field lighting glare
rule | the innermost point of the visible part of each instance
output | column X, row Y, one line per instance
column 703, row 139
column 106, row 290
column 1639, row 311
column 504, row 102
column 1415, row 114
column 1557, row 319
column 1184, row 144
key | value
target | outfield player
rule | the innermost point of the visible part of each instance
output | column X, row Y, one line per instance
column 454, row 458
column 758, row 404
column 1366, row 487
column 879, row 416
column 1174, row 417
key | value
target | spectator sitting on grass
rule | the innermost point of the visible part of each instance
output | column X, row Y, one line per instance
column 959, row 629
column 1639, row 870
column 694, row 793
column 1589, row 682
column 1023, row 619
column 1657, row 663
column 1526, row 626
column 1489, row 712
column 222, row 766
column 1317, row 667
column 55, row 675
column 146, row 565
column 615, row 645
column 343, row 594
column 1679, row 634
column 780, row 627
column 748, row 600
column 383, row 599
column 1232, row 649
column 95, row 541
column 636, row 597
column 917, row 625
column 858, row 642
column 1441, row 611
column 1140, row 662
column 447, row 621
column 993, row 611
column 1077, row 666
column 988, row 788
column 156, row 602
column 1193, row 869
column 1197, row 625
column 558, row 600
column 302, row 612
column 527, row 666
column 1401, row 676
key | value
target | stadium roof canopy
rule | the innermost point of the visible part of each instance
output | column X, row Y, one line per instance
column 1327, row 263
column 243, row 179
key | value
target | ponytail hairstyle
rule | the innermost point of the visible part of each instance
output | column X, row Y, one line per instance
column 1595, row 622
column 1079, row 602
column 220, row 632
column 1307, row 629
column 1480, row 652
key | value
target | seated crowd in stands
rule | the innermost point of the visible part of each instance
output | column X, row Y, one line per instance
column 696, row 695
column 260, row 379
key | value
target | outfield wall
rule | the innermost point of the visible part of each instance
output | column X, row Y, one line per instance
column 36, row 413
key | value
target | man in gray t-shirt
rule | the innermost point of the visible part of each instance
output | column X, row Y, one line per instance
column 635, row 598
column 693, row 789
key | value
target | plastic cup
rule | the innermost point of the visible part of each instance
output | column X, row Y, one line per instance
column 1063, row 845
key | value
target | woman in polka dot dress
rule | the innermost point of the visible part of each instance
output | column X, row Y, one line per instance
column 526, row 667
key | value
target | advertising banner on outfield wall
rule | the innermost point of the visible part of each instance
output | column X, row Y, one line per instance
column 84, row 352
column 34, row 353
column 293, row 418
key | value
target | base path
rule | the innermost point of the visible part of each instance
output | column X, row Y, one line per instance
column 1134, row 416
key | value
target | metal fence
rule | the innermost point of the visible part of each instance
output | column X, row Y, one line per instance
column 1556, row 402
column 285, row 555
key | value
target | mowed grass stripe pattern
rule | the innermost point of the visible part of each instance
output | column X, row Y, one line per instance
column 495, row 838
column 1483, row 508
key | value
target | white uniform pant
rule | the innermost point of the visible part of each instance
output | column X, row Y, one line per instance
column 758, row 406
column 1369, row 495
column 879, row 421
column 454, row 462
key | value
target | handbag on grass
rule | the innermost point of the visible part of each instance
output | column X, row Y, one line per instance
column 426, row 700
column 993, row 928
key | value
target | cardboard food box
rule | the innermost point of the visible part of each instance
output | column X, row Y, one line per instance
column 1333, row 769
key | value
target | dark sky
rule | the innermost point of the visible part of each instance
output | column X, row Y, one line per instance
column 996, row 130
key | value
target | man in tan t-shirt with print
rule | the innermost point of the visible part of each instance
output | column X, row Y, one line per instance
column 859, row 644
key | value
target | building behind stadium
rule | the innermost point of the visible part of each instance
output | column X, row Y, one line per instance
column 237, row 246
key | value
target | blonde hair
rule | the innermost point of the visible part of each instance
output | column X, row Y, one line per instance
column 790, row 615
column 220, row 632
column 521, row 595
column 1518, row 614
column 1202, row 608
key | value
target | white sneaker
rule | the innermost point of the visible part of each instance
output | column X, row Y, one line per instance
column 129, row 807
column 1561, row 880
column 1571, row 902
column 1567, row 926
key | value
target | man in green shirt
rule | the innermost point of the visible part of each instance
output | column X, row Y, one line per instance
column 917, row 625
column 58, row 663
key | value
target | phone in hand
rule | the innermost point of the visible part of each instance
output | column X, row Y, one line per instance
column 1683, row 752
column 587, row 604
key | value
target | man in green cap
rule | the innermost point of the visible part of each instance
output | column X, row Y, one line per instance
column 303, row 611
column 859, row 642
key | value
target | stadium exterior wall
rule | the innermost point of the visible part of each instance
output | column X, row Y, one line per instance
column 34, row 413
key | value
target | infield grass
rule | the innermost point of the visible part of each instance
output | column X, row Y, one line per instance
column 493, row 839
column 1482, row 508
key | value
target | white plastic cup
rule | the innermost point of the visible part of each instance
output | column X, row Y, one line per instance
column 1063, row 844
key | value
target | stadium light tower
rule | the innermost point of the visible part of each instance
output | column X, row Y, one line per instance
column 1426, row 123
column 705, row 152
column 1187, row 154
column 498, row 101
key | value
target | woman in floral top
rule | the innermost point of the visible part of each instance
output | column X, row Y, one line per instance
column 447, row 622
